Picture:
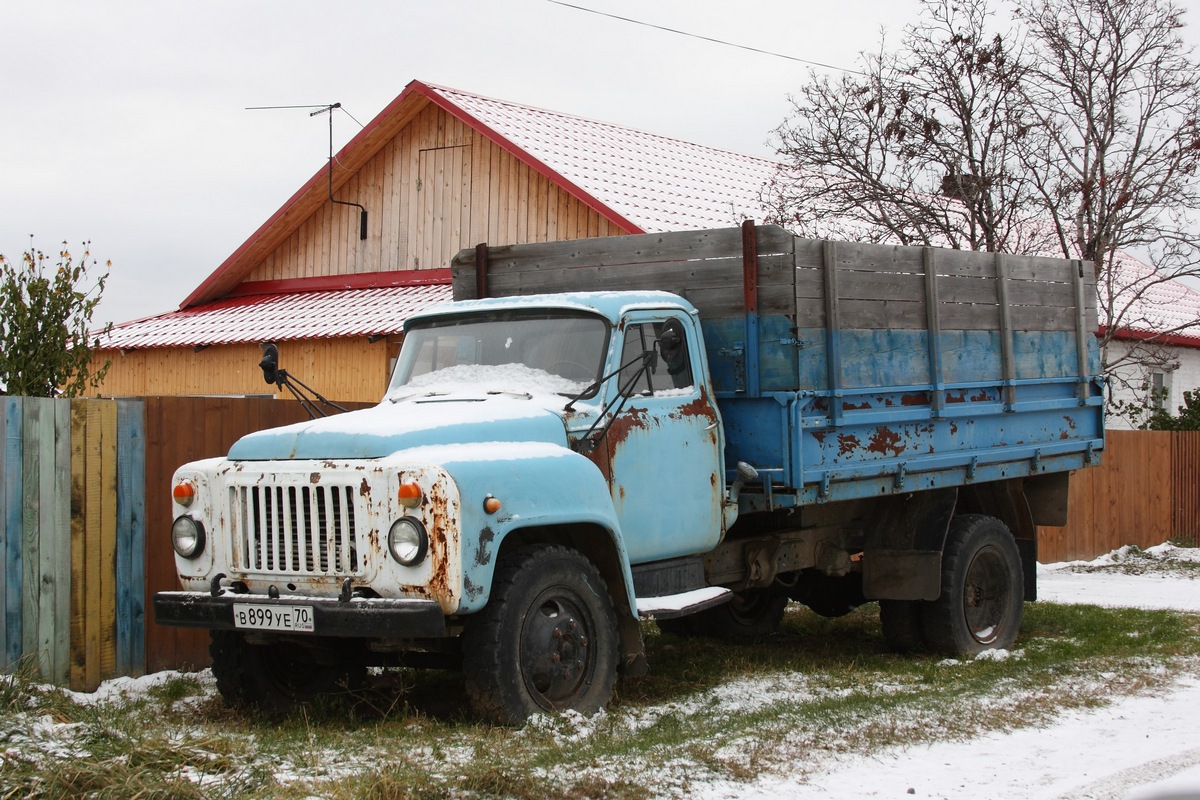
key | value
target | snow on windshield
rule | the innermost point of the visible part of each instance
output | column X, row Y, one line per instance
column 494, row 378
column 523, row 350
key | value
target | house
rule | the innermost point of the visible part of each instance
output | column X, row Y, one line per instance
column 1153, row 345
column 436, row 171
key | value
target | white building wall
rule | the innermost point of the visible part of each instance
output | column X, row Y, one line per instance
column 1185, row 377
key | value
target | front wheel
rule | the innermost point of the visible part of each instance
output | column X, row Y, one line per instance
column 982, row 589
column 547, row 640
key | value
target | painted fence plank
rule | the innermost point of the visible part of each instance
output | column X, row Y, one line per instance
column 79, row 496
column 107, row 610
column 11, row 527
column 61, row 566
column 34, row 434
column 131, row 537
column 93, row 514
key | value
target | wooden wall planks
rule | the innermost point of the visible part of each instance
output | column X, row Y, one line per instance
column 1143, row 493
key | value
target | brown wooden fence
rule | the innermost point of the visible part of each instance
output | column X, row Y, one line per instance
column 179, row 430
column 1145, row 492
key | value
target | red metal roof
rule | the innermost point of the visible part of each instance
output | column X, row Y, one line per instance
column 318, row 314
column 1149, row 306
column 656, row 182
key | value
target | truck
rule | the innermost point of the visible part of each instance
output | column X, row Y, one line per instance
column 695, row 427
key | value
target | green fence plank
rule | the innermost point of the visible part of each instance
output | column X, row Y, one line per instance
column 61, row 564
column 14, row 489
column 131, row 537
column 10, row 531
column 33, row 433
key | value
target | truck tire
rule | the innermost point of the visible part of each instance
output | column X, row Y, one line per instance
column 901, row 623
column 545, row 642
column 750, row 614
column 274, row 677
column 982, row 590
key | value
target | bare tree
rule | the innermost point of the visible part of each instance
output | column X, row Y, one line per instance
column 1118, row 93
column 923, row 147
column 1073, row 131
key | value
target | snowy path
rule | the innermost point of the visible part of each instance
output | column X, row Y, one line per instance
column 1137, row 748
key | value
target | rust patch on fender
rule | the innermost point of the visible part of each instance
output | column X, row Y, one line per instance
column 441, row 520
column 886, row 441
column 483, row 553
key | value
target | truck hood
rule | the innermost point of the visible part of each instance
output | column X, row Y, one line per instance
column 415, row 421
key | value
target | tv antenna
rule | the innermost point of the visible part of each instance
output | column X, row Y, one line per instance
column 328, row 109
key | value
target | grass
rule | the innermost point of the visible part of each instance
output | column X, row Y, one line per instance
column 708, row 710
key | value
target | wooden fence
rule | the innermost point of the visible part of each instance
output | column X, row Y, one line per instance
column 85, row 516
column 1145, row 492
column 73, row 538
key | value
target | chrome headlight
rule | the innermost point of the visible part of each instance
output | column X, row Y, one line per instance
column 408, row 542
column 187, row 536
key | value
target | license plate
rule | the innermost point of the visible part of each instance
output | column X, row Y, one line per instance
column 263, row 617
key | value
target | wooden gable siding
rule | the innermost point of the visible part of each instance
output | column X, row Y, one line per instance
column 342, row 370
column 437, row 187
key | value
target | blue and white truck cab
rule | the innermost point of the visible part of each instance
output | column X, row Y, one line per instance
column 550, row 465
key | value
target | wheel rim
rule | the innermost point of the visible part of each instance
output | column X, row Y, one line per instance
column 557, row 652
column 749, row 608
column 986, row 595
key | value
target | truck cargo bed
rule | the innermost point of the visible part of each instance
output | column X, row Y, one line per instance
column 848, row 370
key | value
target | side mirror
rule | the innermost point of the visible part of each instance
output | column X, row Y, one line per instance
column 672, row 348
column 270, row 363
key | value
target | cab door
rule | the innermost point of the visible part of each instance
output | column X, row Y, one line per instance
column 665, row 445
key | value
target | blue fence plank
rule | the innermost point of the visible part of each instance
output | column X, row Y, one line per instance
column 13, row 525
column 131, row 537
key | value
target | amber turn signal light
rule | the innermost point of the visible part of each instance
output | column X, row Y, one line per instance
column 409, row 495
column 184, row 493
column 491, row 505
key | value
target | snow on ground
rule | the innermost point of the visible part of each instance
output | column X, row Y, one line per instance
column 1136, row 748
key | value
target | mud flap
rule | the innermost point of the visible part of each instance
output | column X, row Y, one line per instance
column 902, row 574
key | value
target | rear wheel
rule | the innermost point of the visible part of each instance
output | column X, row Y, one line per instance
column 982, row 589
column 901, row 623
column 750, row 614
column 545, row 642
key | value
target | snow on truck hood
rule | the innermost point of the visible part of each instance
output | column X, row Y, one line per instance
column 417, row 420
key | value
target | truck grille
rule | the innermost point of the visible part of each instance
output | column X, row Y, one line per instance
column 296, row 530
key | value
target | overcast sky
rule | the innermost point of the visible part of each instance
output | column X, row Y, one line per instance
column 125, row 121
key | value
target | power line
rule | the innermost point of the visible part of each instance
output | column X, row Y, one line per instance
column 704, row 38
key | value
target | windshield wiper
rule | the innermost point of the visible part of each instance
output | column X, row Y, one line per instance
column 587, row 442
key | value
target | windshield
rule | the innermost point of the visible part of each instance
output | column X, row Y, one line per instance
column 542, row 350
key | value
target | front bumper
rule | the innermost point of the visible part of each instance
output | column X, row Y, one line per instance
column 356, row 618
